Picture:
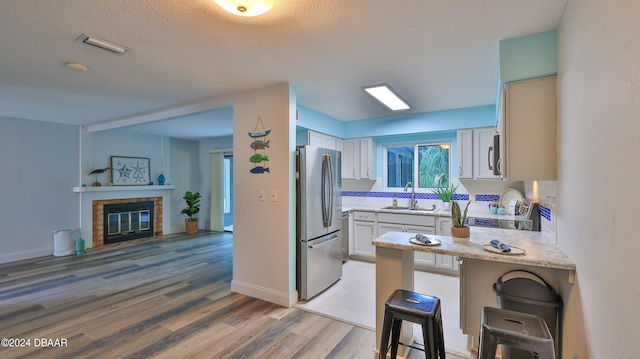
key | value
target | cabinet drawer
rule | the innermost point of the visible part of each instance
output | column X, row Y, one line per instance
column 414, row 219
column 364, row 216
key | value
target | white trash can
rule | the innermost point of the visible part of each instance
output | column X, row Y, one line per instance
column 64, row 242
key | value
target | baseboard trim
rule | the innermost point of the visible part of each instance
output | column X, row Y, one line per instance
column 22, row 255
column 269, row 295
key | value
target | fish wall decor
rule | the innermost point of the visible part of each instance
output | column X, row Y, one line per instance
column 260, row 145
column 258, row 158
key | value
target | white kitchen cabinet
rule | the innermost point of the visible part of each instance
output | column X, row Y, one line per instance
column 366, row 159
column 443, row 228
column 528, row 130
column 364, row 232
column 483, row 153
column 322, row 140
column 339, row 144
column 358, row 158
column 465, row 153
column 476, row 153
column 388, row 222
column 351, row 159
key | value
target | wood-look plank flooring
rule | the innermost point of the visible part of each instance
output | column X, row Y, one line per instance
column 160, row 298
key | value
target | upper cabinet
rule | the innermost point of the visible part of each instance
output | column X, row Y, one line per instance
column 465, row 153
column 483, row 153
column 528, row 130
column 358, row 158
column 321, row 140
column 476, row 153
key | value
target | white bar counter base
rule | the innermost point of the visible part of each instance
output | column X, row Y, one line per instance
column 479, row 270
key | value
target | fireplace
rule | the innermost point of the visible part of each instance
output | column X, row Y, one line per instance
column 118, row 220
column 127, row 221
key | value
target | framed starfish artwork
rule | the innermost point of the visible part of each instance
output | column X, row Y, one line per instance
column 129, row 171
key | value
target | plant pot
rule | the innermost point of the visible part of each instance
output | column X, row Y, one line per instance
column 446, row 206
column 191, row 226
column 460, row 234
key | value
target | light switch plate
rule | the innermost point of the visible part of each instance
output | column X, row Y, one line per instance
column 274, row 195
column 261, row 195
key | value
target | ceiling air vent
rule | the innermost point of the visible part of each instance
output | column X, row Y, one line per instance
column 103, row 44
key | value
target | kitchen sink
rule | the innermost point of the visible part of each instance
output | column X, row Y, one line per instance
column 396, row 207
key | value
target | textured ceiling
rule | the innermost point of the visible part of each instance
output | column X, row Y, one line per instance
column 439, row 54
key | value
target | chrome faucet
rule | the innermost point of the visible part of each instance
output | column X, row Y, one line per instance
column 414, row 203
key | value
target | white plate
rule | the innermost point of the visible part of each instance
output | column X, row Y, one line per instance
column 509, row 195
column 434, row 241
column 515, row 251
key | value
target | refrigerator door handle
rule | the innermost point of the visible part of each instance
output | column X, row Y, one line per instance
column 325, row 242
column 327, row 190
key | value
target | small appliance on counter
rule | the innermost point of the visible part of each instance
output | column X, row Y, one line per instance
column 527, row 218
column 530, row 211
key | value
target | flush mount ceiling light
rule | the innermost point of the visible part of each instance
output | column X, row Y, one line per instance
column 76, row 66
column 387, row 96
column 246, row 7
column 102, row 43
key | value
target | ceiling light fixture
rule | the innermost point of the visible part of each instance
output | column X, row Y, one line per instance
column 76, row 66
column 103, row 44
column 388, row 97
column 246, row 7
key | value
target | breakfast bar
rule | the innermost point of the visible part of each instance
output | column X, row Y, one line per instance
column 480, row 267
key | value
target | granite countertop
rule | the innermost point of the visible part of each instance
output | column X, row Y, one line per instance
column 539, row 251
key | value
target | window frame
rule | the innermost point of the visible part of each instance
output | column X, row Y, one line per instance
column 416, row 159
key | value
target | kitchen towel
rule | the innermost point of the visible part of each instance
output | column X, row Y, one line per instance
column 422, row 238
column 501, row 246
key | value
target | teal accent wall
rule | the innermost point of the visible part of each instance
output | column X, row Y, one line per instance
column 316, row 121
column 436, row 121
column 529, row 56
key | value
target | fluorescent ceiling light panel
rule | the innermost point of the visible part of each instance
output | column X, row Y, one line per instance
column 101, row 43
column 388, row 97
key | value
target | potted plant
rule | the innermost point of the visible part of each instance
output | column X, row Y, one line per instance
column 445, row 194
column 458, row 229
column 193, row 207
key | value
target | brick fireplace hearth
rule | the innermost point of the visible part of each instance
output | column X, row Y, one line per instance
column 98, row 216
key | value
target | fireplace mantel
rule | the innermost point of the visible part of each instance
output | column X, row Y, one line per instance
column 121, row 188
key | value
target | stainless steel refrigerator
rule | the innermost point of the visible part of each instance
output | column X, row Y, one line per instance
column 318, row 219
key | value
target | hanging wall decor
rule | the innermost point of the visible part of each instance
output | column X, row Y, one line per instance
column 129, row 171
column 259, row 146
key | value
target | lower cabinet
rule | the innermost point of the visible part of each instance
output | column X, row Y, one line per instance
column 443, row 228
column 364, row 232
column 367, row 226
column 421, row 258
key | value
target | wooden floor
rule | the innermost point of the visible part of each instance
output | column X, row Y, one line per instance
column 163, row 298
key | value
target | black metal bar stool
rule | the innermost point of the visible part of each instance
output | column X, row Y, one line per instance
column 516, row 330
column 416, row 308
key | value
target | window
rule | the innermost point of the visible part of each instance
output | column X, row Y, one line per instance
column 425, row 165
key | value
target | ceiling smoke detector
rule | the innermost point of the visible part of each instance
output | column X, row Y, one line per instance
column 103, row 44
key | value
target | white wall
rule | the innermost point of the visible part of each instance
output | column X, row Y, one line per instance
column 598, row 195
column 39, row 162
column 264, row 231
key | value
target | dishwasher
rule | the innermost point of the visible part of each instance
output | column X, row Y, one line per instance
column 345, row 237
